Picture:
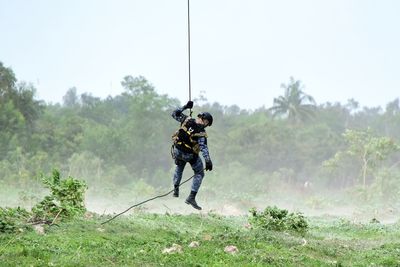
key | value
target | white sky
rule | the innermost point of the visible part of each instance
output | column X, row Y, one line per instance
column 242, row 50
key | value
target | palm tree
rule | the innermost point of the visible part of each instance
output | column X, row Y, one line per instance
column 295, row 104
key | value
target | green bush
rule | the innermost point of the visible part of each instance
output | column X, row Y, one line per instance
column 273, row 218
column 13, row 219
column 66, row 198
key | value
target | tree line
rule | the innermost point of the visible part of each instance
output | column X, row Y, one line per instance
column 120, row 140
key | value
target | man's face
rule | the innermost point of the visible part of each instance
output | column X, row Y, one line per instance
column 203, row 122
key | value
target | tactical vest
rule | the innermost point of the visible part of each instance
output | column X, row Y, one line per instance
column 185, row 138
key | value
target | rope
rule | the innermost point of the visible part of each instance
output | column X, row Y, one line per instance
column 190, row 80
column 163, row 195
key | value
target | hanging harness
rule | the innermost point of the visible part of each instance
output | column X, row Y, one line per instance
column 185, row 138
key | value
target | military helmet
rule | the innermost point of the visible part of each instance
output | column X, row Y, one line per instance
column 206, row 116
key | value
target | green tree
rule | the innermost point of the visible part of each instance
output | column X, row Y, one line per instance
column 294, row 104
column 71, row 99
column 19, row 110
column 7, row 82
column 391, row 119
column 137, row 85
column 21, row 95
column 366, row 149
column 24, row 100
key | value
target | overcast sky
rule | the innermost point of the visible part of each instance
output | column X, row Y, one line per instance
column 242, row 50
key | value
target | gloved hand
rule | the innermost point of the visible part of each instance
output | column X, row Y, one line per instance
column 189, row 104
column 209, row 165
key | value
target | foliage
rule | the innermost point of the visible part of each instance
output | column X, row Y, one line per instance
column 19, row 110
column 295, row 104
column 86, row 164
column 66, row 198
column 116, row 141
column 366, row 150
column 13, row 219
column 384, row 191
column 273, row 218
column 387, row 186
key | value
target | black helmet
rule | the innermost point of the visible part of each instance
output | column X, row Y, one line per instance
column 206, row 116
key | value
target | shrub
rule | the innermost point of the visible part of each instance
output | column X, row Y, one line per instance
column 273, row 218
column 12, row 219
column 66, row 198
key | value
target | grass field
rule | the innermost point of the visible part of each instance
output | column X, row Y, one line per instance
column 141, row 238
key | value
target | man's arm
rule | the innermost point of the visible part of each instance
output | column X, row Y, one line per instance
column 178, row 115
column 204, row 150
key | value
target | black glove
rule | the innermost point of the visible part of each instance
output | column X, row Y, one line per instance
column 189, row 104
column 209, row 165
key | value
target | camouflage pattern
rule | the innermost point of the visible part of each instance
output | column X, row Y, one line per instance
column 181, row 158
column 178, row 115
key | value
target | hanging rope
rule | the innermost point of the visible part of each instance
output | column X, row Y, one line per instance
column 163, row 195
column 190, row 81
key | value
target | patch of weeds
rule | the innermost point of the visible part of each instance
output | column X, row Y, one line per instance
column 273, row 218
column 13, row 219
column 66, row 199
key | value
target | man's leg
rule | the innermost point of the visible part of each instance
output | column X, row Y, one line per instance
column 197, row 166
column 180, row 166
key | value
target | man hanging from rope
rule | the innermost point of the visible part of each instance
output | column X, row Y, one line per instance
column 189, row 140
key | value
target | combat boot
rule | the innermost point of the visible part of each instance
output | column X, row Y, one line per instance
column 192, row 201
column 176, row 191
